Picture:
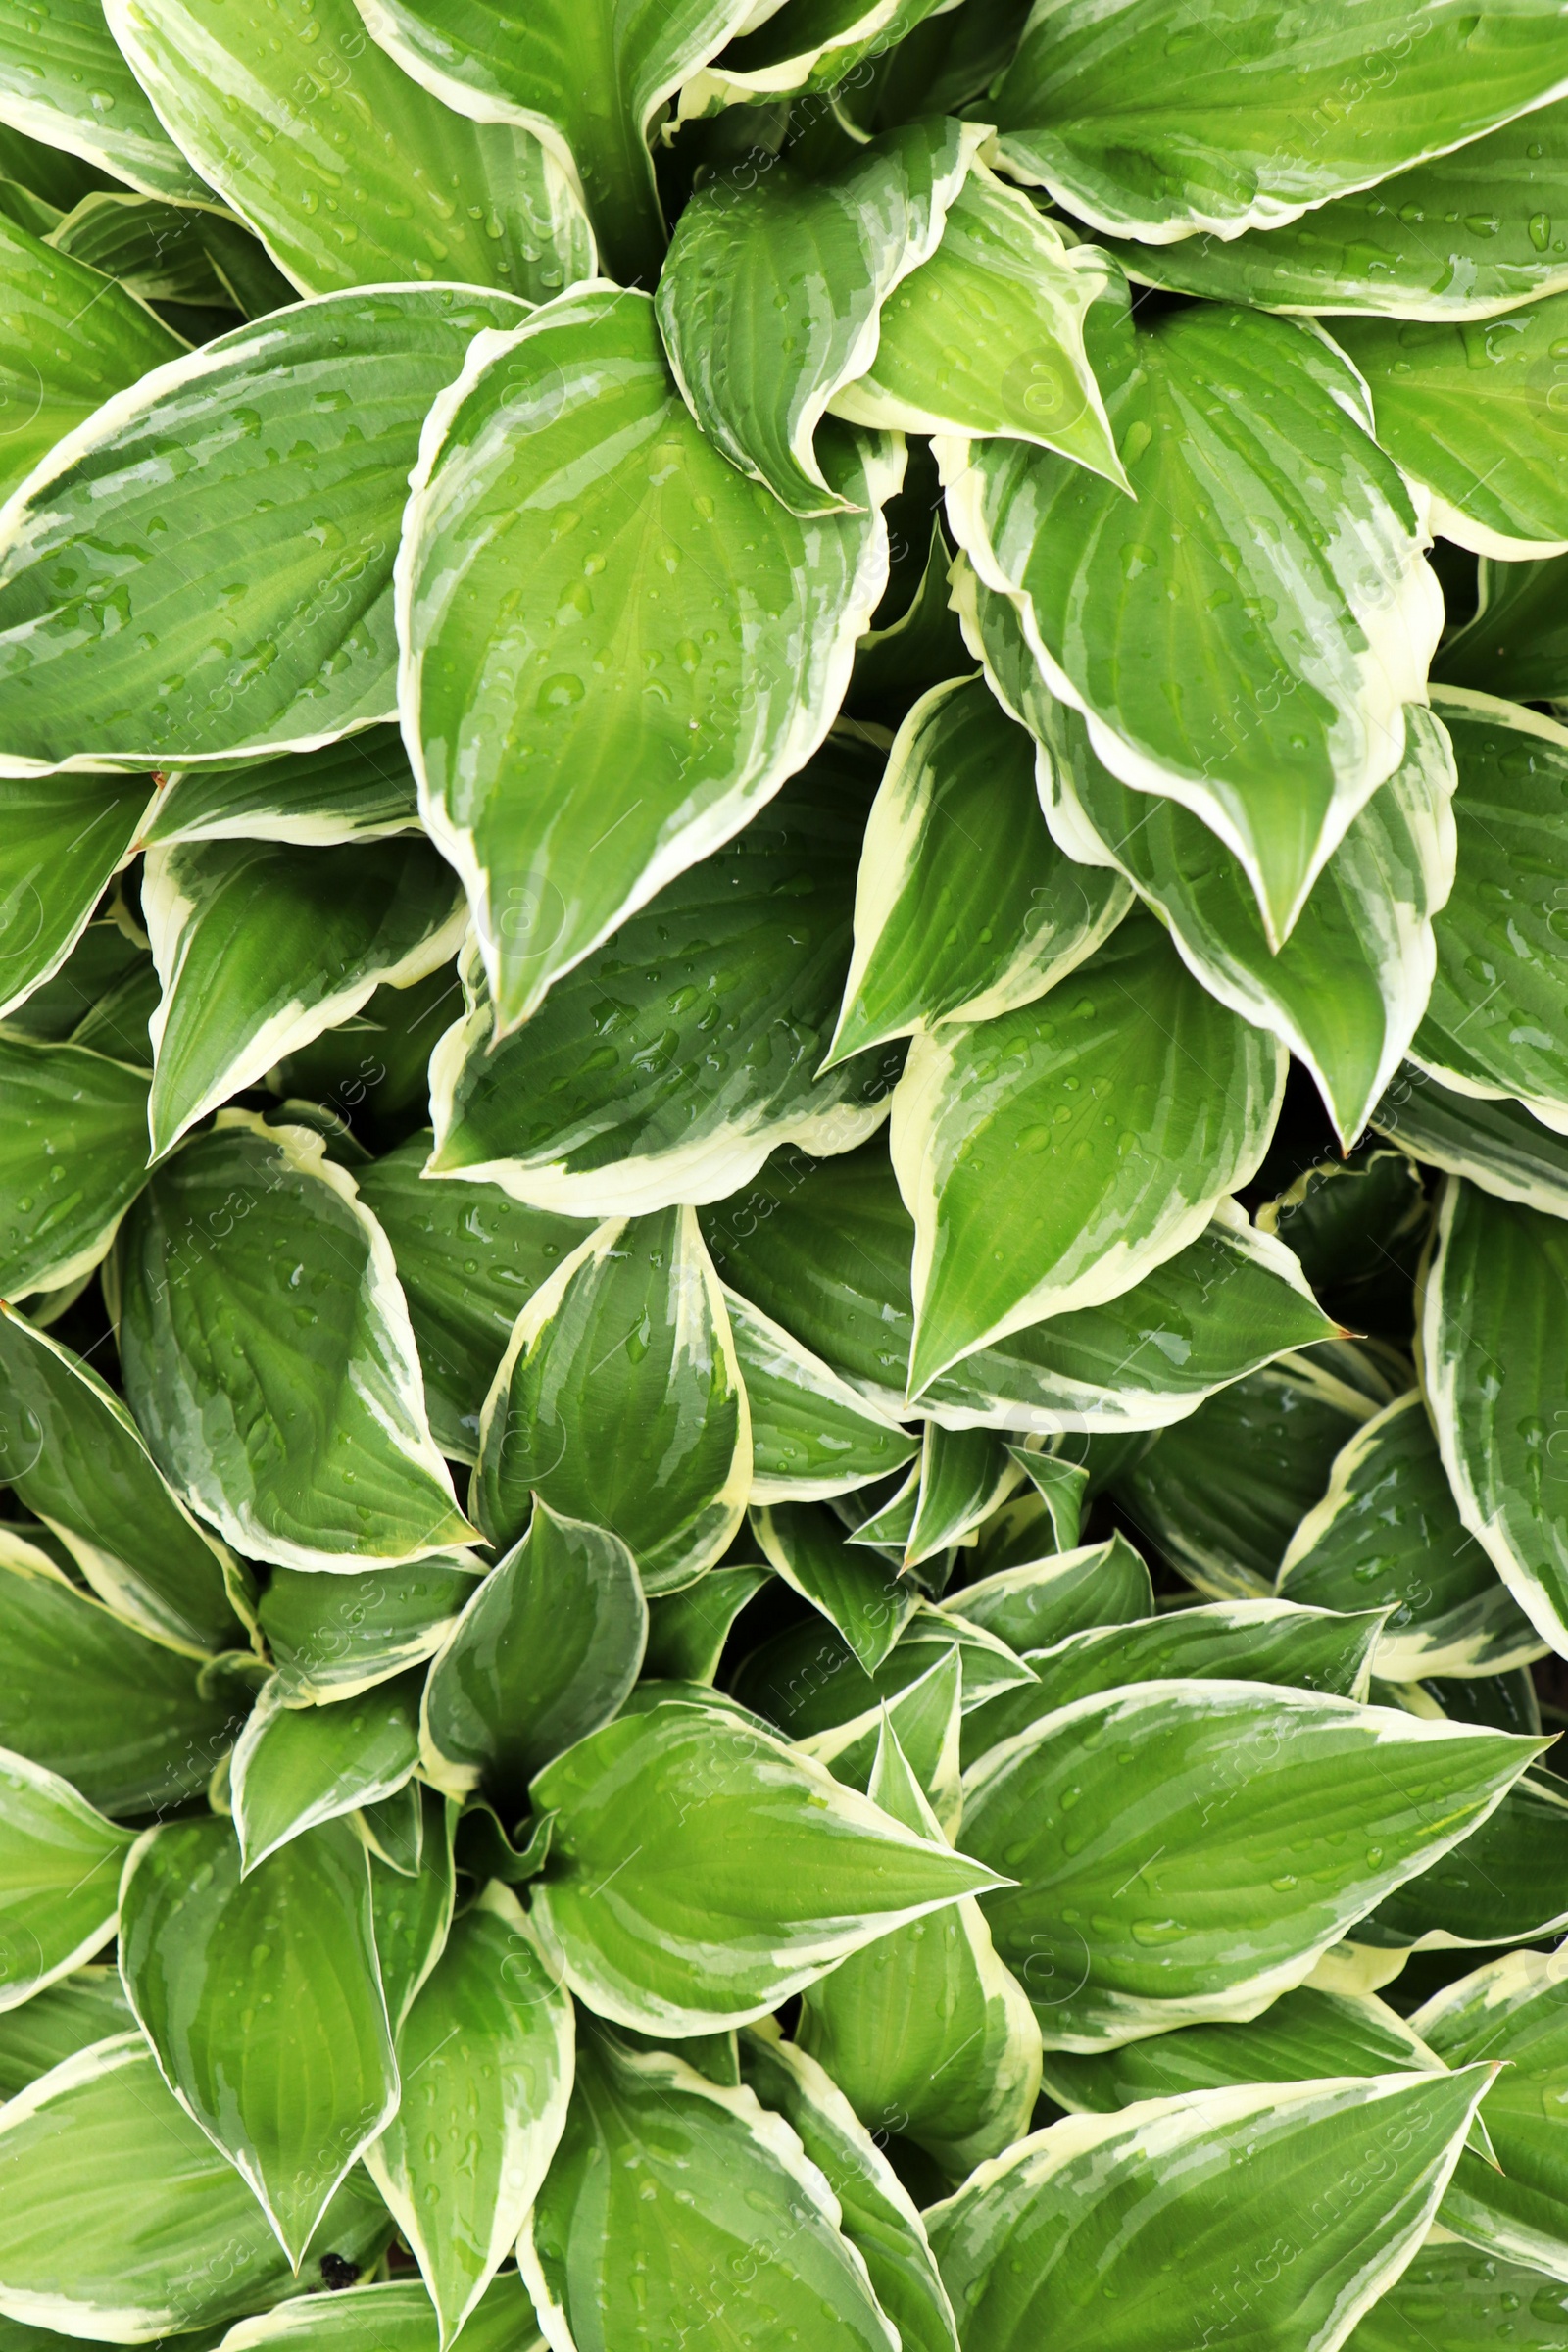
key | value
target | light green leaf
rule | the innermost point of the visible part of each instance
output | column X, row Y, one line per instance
column 1223, row 1835
column 1386, row 1534
column 275, row 123
column 72, row 1158
column 926, row 2033
column 1251, row 2209
column 247, row 1242
column 1512, row 2009
column 59, row 1882
column 112, row 2205
column 64, row 81
column 355, row 788
column 271, row 627
column 1515, row 644
column 1173, row 1105
column 1492, row 1025
column 1142, row 118
column 462, row 2160
column 925, row 1718
column 294, row 1767
column 965, row 1475
column 987, row 336
column 619, row 1401
column 61, row 841
column 531, row 755
column 544, row 1653
column 1464, row 235
column 1260, row 685
column 1223, row 1491
column 1495, row 1143
column 413, row 1915
column 807, row 1679
column 741, row 1870
column 261, row 2000
column 770, row 300
column 334, row 1637
column 171, row 253
column 1476, row 412
column 733, row 971
column 588, row 82
column 669, row 2191
column 1449, row 2299
column 813, row 1435
column 812, row 45
column 887, row 1529
column 1036, row 1605
column 861, row 1594
column 54, row 2024
column 391, row 2316
column 88, row 1696
column 963, row 908
column 1506, row 1882
column 74, row 1457
column 1495, row 1327
column 260, row 947
column 687, row 1629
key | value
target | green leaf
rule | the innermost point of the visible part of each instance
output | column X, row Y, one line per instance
column 262, row 1999
column 544, row 1653
column 1451, row 2299
column 987, row 336
column 966, row 1476
column 1475, row 412
column 261, row 948
column 59, row 1880
column 355, row 788
column 1495, row 1143
column 876, row 2214
column 87, row 1695
column 1493, row 1330
column 334, row 1637
column 1491, row 1026
column 1237, row 1640
column 1169, row 1099
column 926, row 2033
column 587, row 81
column 894, row 665
column 72, row 1158
column 1262, row 686
column 54, row 2024
column 1506, row 1882
column 925, row 1718
column 1141, row 119
column 669, row 2193
column 295, row 1767
column 813, row 1435
column 1060, row 1486
column 687, row 1631
column 619, row 1401
column 119, row 2215
column 413, row 1915
column 965, row 909
column 1243, row 2183
column 391, row 2316
column 267, row 1355
column 770, row 300
column 807, row 1679
column 468, row 1260
column 1515, row 644
column 861, row 1595
column 1223, row 1491
column 1514, row 2010
column 273, row 125
column 741, row 1871
column 1386, row 1534
column 61, row 841
column 462, row 2160
column 529, row 753
column 1464, row 235
column 1036, row 1605
column 272, row 625
column 64, row 81
column 804, row 45
column 733, row 972
column 171, row 253
column 1222, row 1836
column 74, row 1457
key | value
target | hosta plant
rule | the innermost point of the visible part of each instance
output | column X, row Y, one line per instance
column 783, row 1175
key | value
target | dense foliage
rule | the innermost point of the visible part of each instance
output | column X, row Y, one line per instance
column 783, row 1174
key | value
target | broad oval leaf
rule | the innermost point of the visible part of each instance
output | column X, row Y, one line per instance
column 1262, row 685
column 355, row 788
column 61, row 841
column 521, row 631
column 699, row 1871
column 619, row 1401
column 64, row 81
column 295, row 1767
column 296, row 645
column 335, row 1637
column 432, row 195
column 58, row 1880
column 252, row 1278
column 72, row 1158
column 262, row 1999
column 1140, row 117
column 544, row 1653
column 1139, row 1102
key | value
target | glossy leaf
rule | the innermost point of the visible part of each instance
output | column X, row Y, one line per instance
column 185, row 255
column 1165, row 1080
column 59, row 1880
column 926, row 1719
column 809, row 46
column 357, row 788
column 1036, row 1605
column 807, row 1679
column 64, row 81
column 261, row 2000
column 1513, row 2010
column 295, row 1767
column 390, row 2316
column 241, row 1247
column 530, row 754
column 965, row 1475
column 741, row 1871
column 1506, row 1882
column 813, row 1435
column 1451, row 2299
column 544, row 1653
column 413, row 1915
column 335, row 1637
column 72, row 1158
column 83, row 2007
column 861, row 1594
column 1493, row 1142
column 619, row 1401
column 687, row 1631
column 296, row 646
column 63, row 839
